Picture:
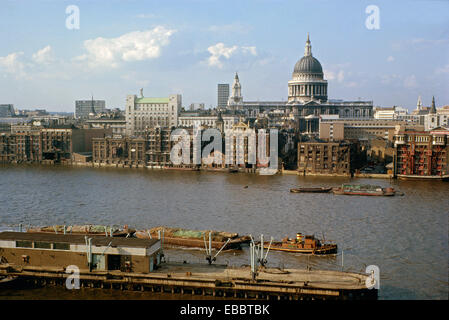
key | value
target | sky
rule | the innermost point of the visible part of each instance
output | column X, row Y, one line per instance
column 390, row 56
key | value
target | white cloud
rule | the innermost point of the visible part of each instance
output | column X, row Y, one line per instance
column 390, row 78
column 251, row 50
column 443, row 70
column 432, row 42
column 335, row 75
column 390, row 59
column 410, row 82
column 146, row 16
column 12, row 64
column 43, row 56
column 219, row 50
column 133, row 46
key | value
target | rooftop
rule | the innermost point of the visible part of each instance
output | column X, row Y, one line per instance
column 152, row 100
column 78, row 239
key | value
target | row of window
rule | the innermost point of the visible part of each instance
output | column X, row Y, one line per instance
column 42, row 245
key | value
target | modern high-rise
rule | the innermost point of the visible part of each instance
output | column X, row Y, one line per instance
column 6, row 110
column 222, row 95
column 83, row 108
column 144, row 113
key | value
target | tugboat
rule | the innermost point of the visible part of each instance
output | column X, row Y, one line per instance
column 311, row 190
column 364, row 190
column 306, row 244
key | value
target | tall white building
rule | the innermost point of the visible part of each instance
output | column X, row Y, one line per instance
column 196, row 120
column 143, row 113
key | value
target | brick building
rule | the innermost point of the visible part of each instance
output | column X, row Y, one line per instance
column 48, row 144
column 320, row 157
column 159, row 146
column 422, row 154
column 119, row 151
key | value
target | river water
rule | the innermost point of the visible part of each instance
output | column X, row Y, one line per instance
column 405, row 236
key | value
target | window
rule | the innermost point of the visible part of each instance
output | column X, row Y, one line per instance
column 42, row 245
column 61, row 246
column 24, row 244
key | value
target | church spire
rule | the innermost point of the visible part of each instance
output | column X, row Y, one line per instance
column 92, row 105
column 308, row 49
column 419, row 104
column 433, row 109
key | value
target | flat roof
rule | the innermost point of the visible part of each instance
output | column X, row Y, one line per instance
column 78, row 239
column 152, row 100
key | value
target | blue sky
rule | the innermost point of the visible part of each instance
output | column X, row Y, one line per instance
column 188, row 47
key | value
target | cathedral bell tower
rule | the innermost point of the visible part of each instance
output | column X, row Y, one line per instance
column 235, row 101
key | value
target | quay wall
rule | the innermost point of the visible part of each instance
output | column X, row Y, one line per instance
column 225, row 170
column 237, row 283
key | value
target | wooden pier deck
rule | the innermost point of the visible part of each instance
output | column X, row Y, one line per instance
column 213, row 280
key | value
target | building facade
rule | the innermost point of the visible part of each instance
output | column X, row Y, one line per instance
column 196, row 120
column 422, row 154
column 159, row 147
column 28, row 249
column 125, row 151
column 222, row 95
column 6, row 110
column 47, row 144
column 361, row 129
column 328, row 158
column 86, row 108
column 145, row 113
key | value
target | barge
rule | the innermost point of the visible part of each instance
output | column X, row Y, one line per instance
column 90, row 230
column 363, row 190
column 179, row 237
column 307, row 244
column 312, row 190
column 423, row 177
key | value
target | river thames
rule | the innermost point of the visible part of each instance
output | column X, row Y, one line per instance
column 405, row 236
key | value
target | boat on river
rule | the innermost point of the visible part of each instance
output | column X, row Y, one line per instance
column 179, row 237
column 90, row 230
column 312, row 190
column 363, row 190
column 307, row 244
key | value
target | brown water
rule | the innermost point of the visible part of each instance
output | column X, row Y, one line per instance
column 406, row 236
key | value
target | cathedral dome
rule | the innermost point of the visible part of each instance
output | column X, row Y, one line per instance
column 308, row 64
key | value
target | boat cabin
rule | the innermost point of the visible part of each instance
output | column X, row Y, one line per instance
column 94, row 253
column 303, row 241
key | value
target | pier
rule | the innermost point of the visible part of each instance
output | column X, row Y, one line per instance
column 213, row 281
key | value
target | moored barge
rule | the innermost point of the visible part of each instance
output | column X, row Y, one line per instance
column 363, row 190
column 312, row 190
column 90, row 230
column 194, row 239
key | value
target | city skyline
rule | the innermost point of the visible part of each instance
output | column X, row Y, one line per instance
column 187, row 49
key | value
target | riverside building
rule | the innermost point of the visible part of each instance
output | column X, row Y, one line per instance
column 144, row 113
